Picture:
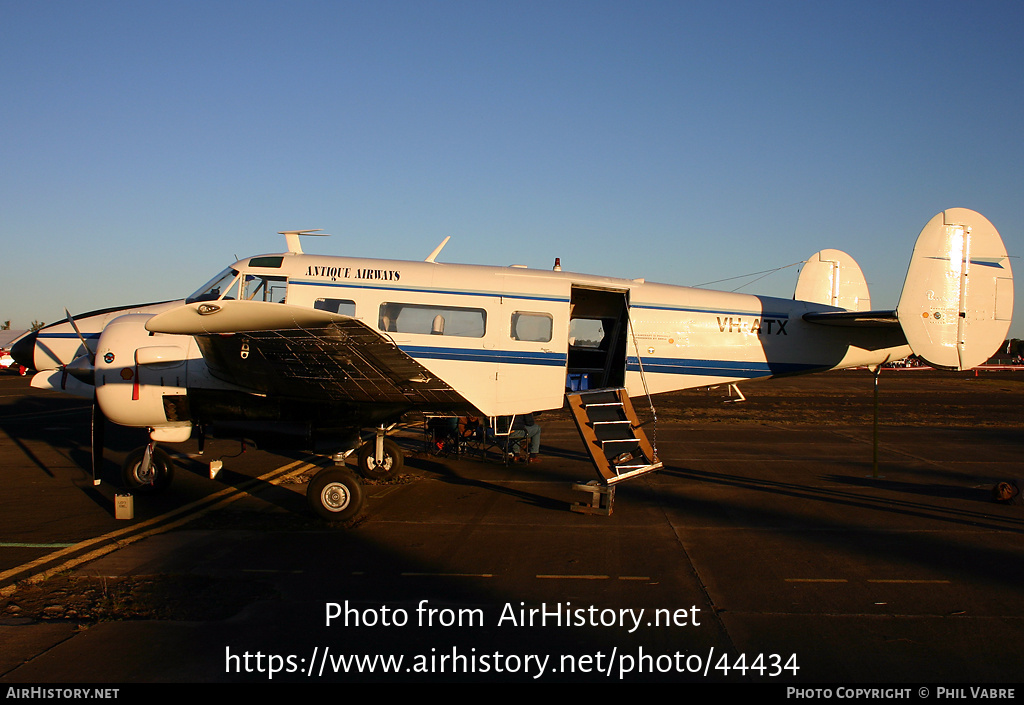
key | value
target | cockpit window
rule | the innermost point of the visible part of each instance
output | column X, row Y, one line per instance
column 221, row 286
column 249, row 287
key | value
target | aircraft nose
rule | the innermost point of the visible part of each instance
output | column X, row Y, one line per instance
column 24, row 349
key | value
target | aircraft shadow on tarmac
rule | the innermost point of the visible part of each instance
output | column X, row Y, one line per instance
column 851, row 522
column 447, row 473
column 313, row 563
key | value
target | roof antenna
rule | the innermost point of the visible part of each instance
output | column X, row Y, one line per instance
column 292, row 238
column 437, row 250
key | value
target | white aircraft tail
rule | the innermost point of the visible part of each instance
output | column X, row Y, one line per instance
column 957, row 302
column 833, row 278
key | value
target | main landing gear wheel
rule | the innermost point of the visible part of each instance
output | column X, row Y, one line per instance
column 335, row 494
column 389, row 465
column 147, row 481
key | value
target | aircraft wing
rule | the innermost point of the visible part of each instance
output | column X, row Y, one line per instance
column 854, row 319
column 300, row 353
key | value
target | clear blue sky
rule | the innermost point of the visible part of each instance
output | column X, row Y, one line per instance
column 146, row 144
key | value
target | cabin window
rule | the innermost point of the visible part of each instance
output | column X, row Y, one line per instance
column 432, row 320
column 346, row 307
column 531, row 327
column 260, row 288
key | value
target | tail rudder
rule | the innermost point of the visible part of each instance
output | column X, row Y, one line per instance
column 833, row 278
column 957, row 302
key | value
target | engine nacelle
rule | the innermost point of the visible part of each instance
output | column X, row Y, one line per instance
column 142, row 377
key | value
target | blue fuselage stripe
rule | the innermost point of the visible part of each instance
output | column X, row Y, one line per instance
column 430, row 290
column 717, row 368
column 659, row 365
column 505, row 357
column 69, row 336
column 711, row 311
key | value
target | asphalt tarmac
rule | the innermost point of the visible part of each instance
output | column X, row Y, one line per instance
column 768, row 550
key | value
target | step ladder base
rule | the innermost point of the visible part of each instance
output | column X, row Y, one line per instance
column 602, row 498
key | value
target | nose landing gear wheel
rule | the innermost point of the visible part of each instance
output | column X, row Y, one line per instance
column 140, row 480
column 335, row 494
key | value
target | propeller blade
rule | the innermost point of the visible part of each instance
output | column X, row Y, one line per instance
column 99, row 423
column 89, row 351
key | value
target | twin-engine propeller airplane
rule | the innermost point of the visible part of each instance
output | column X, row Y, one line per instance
column 319, row 348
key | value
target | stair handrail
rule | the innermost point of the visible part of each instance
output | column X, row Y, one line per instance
column 643, row 379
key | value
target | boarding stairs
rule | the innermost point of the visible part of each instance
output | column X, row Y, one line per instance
column 612, row 435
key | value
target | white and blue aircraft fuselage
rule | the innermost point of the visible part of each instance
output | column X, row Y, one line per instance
column 322, row 346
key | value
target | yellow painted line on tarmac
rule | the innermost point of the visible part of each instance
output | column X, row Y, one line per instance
column 25, row 544
column 574, row 577
column 131, row 534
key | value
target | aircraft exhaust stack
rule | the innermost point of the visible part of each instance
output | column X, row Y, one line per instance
column 957, row 301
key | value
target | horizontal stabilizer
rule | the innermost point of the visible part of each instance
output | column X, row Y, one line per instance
column 854, row 319
column 957, row 302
